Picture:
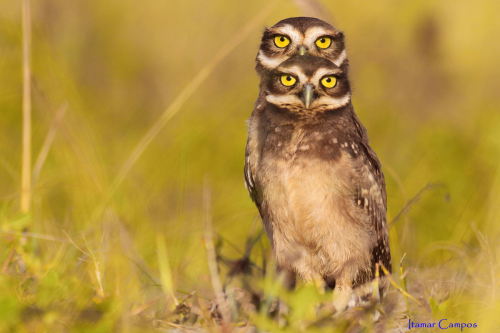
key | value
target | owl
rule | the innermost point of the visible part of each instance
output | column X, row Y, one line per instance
column 299, row 35
column 315, row 180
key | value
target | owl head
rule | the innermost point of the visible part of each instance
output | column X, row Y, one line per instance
column 299, row 36
column 307, row 85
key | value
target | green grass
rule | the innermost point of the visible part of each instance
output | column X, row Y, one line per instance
column 115, row 239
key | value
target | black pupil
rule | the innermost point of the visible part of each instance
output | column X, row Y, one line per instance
column 322, row 40
column 282, row 39
column 288, row 78
column 328, row 80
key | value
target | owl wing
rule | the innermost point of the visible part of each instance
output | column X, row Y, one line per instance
column 249, row 179
column 371, row 199
column 252, row 150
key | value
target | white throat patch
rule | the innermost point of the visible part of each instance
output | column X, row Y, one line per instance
column 327, row 102
column 321, row 104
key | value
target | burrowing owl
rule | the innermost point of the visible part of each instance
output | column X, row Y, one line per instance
column 300, row 35
column 317, row 183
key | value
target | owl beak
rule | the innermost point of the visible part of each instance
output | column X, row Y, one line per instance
column 302, row 50
column 307, row 95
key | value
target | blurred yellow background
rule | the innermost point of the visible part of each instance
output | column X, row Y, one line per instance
column 425, row 78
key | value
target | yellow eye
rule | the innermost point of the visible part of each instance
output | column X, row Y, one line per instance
column 329, row 81
column 323, row 42
column 281, row 41
column 287, row 80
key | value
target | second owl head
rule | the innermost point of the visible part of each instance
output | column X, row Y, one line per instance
column 299, row 36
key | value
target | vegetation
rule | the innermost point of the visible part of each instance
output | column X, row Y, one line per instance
column 139, row 217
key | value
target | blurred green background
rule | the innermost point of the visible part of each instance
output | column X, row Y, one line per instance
column 425, row 79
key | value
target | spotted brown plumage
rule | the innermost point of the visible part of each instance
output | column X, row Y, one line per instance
column 315, row 180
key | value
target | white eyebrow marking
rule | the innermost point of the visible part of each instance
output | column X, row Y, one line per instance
column 296, row 71
column 314, row 33
column 287, row 29
column 322, row 72
column 331, row 102
column 270, row 62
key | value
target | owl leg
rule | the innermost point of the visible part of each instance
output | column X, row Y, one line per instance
column 343, row 292
column 342, row 298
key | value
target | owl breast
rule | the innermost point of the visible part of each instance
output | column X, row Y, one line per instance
column 308, row 206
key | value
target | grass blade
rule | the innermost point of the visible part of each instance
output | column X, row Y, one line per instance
column 26, row 135
column 47, row 143
column 165, row 271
